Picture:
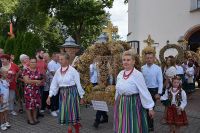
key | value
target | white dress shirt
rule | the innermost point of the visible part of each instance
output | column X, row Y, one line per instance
column 190, row 71
column 179, row 70
column 170, row 72
column 135, row 84
column 183, row 95
column 153, row 77
column 93, row 73
column 53, row 66
column 70, row 78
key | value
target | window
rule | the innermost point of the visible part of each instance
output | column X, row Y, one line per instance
column 195, row 5
column 198, row 4
column 136, row 45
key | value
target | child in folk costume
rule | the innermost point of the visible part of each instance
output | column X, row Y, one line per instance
column 169, row 72
column 177, row 99
column 4, row 102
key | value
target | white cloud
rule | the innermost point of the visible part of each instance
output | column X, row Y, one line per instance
column 119, row 17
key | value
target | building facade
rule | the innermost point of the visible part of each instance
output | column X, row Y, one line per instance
column 164, row 20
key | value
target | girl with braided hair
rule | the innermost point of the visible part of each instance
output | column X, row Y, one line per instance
column 177, row 99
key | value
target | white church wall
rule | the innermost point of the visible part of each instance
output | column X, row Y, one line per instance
column 162, row 19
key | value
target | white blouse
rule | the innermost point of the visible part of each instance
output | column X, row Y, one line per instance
column 179, row 70
column 70, row 78
column 93, row 73
column 170, row 72
column 135, row 84
column 189, row 72
column 183, row 95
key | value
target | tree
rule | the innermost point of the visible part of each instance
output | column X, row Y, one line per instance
column 2, row 42
column 9, row 46
column 23, row 43
column 31, row 42
column 83, row 18
column 7, row 8
column 18, row 46
column 51, row 35
column 28, row 16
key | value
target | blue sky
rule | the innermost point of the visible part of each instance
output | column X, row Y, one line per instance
column 119, row 17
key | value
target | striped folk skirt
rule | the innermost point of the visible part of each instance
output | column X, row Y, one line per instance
column 129, row 115
column 69, row 109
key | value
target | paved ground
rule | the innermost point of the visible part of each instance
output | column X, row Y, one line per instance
column 48, row 124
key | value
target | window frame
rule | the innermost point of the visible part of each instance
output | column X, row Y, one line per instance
column 198, row 4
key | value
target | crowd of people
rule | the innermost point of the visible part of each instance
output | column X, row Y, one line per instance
column 25, row 87
column 137, row 92
column 42, row 83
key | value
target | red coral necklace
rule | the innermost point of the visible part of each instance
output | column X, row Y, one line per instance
column 126, row 76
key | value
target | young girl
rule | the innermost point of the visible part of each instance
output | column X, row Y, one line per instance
column 177, row 98
column 169, row 73
column 4, row 87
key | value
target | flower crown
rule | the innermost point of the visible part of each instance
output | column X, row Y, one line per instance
column 176, row 77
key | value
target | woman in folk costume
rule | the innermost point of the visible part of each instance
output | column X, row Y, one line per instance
column 67, row 81
column 177, row 98
column 132, row 99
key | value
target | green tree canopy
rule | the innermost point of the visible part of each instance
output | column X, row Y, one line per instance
column 44, row 19
column 84, row 18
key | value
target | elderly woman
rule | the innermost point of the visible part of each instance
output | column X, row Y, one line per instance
column 24, row 59
column 13, row 70
column 132, row 99
column 32, row 80
column 67, row 81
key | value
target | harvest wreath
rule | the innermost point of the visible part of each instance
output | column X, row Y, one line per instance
column 179, row 56
column 107, row 57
